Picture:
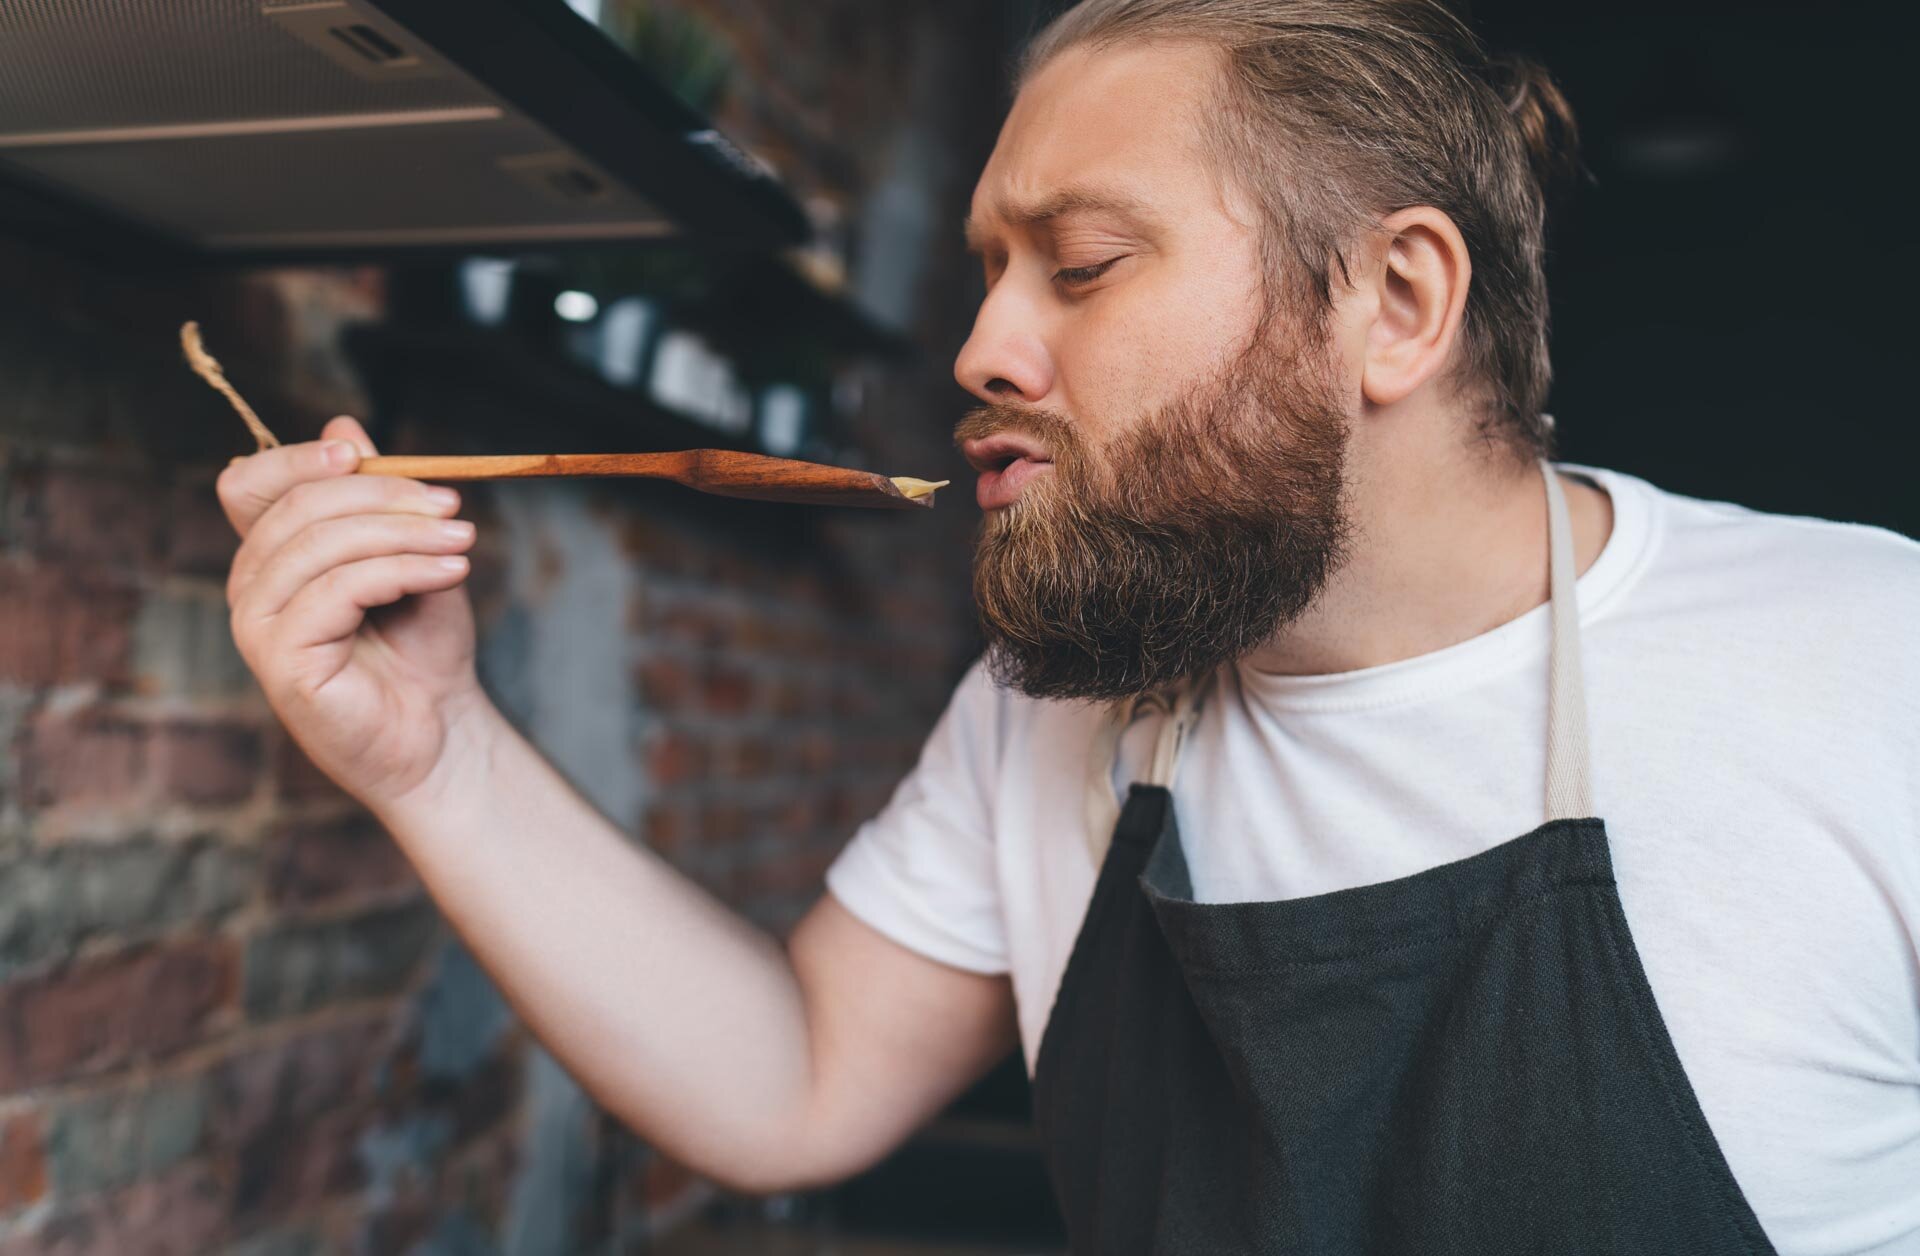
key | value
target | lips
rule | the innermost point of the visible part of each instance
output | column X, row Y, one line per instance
column 1005, row 463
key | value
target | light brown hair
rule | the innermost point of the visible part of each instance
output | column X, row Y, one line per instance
column 1335, row 113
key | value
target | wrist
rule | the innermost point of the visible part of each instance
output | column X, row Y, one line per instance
column 476, row 738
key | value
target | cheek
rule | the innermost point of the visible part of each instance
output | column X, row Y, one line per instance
column 1141, row 345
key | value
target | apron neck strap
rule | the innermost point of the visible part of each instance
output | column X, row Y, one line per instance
column 1179, row 714
column 1569, row 774
column 1182, row 714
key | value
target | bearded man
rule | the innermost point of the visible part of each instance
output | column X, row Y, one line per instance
column 1377, row 836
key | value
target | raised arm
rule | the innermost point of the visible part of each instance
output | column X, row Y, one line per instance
column 764, row 1067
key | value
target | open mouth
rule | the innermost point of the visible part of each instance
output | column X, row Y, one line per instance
column 997, row 453
column 1005, row 463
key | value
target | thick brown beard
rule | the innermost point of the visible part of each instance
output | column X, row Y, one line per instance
column 1183, row 543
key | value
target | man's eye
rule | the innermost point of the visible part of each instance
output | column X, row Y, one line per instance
column 1074, row 275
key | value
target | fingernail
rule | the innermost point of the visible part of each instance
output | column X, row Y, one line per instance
column 454, row 562
column 339, row 453
column 443, row 497
column 456, row 529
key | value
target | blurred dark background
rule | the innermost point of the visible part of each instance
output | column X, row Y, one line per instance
column 1726, row 313
column 229, row 1018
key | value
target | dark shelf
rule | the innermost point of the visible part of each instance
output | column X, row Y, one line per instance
column 562, row 72
column 568, row 409
column 740, row 298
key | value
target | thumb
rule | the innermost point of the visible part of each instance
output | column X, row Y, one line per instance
column 346, row 427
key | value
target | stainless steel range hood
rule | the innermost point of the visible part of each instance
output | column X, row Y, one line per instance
column 353, row 128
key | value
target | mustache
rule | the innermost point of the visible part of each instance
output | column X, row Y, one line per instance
column 1051, row 428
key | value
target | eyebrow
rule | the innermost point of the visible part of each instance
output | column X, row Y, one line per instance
column 1073, row 200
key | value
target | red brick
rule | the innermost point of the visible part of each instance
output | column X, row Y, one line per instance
column 335, row 860
column 840, row 808
column 816, row 751
column 790, row 698
column 200, row 541
column 298, row 779
column 728, row 690
column 888, row 755
column 674, row 758
column 91, row 516
column 90, row 755
column 664, row 549
column 797, row 817
column 297, row 965
column 929, row 656
column 747, row 758
column 816, row 590
column 790, row 872
column 693, row 624
column 484, row 1175
column 486, row 1098
column 401, row 1224
column 289, row 1113
column 207, row 763
column 55, row 629
column 728, row 569
column 101, row 1015
column 854, row 701
column 303, row 1167
column 721, row 822
column 264, row 1095
column 487, row 582
column 667, row 828
column 770, row 631
column 183, row 1212
column 23, row 1166
column 868, row 796
column 902, row 606
column 666, row 684
column 663, row 1181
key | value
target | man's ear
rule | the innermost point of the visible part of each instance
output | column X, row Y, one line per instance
column 1420, row 275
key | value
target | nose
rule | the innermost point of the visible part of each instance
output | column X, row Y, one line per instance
column 1005, row 359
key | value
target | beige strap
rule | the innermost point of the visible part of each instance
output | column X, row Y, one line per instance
column 1178, row 717
column 1569, row 775
column 1174, row 731
column 1103, row 810
column 1569, row 771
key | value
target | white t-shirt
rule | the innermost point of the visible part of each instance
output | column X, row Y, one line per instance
column 1753, row 693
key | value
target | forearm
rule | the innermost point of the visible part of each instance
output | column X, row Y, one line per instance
column 680, row 1017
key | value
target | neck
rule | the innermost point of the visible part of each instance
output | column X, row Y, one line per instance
column 1446, row 545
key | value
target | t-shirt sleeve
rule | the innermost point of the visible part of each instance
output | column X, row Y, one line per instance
column 922, row 871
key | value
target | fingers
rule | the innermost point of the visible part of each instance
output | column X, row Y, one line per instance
column 347, row 428
column 330, row 543
column 333, row 606
column 322, row 546
column 311, row 502
column 252, row 483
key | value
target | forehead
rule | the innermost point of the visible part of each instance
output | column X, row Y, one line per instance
column 1120, row 124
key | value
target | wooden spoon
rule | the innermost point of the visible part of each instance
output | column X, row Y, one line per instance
column 724, row 472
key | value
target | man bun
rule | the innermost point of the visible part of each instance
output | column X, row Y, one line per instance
column 1540, row 109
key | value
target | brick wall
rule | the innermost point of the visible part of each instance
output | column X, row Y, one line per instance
column 230, row 1020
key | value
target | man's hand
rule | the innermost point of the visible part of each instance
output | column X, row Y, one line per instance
column 370, row 690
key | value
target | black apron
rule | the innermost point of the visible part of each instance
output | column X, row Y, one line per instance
column 1467, row 1061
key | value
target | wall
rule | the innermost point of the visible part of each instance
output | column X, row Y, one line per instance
column 229, row 1018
